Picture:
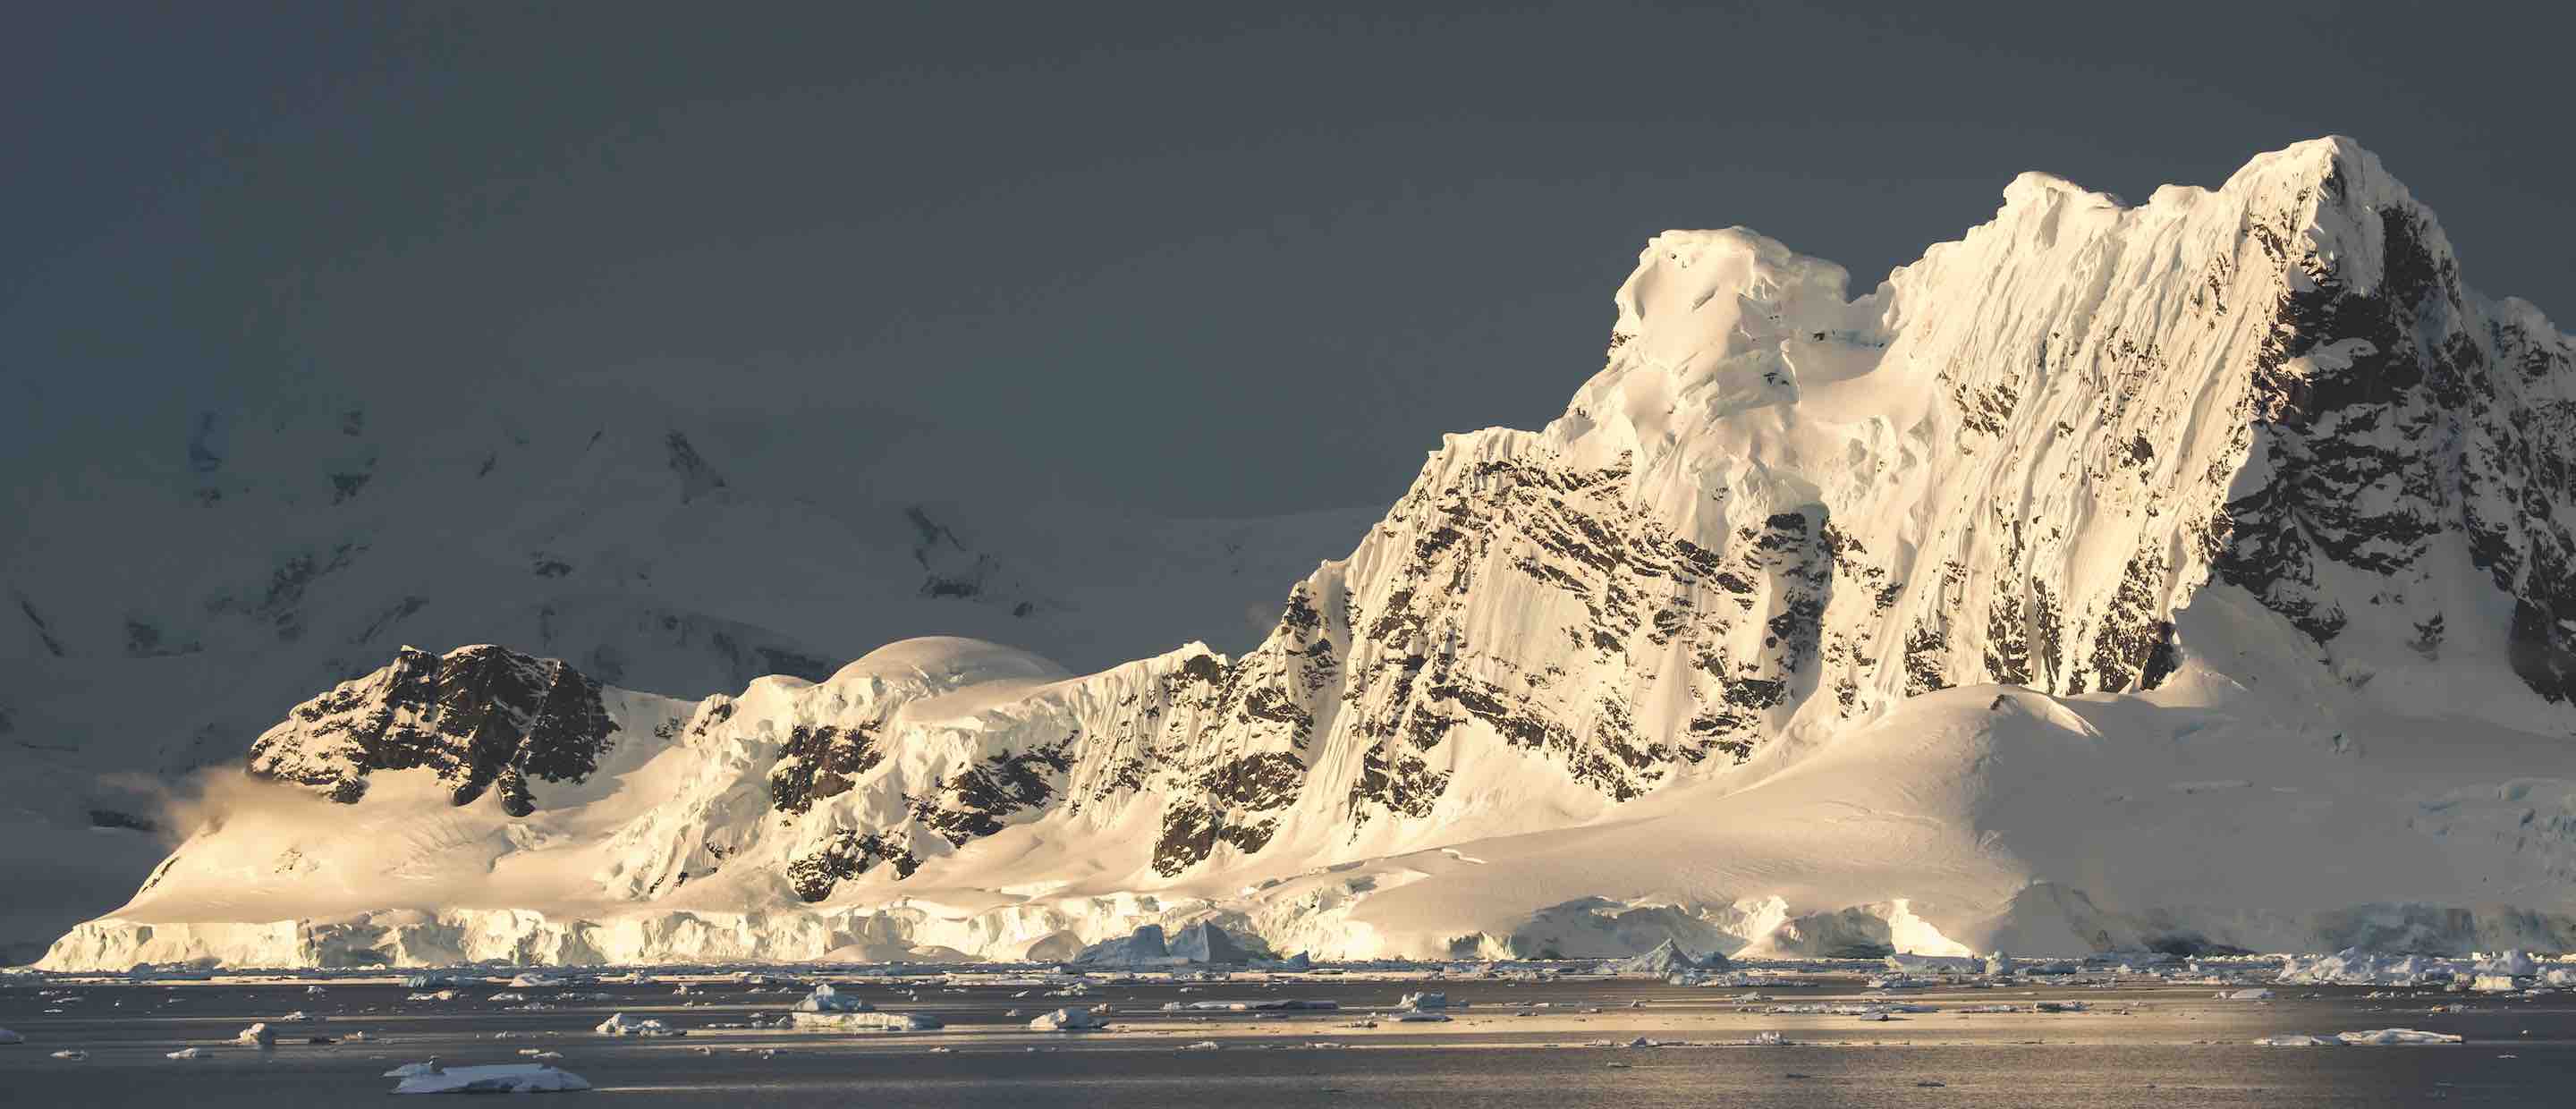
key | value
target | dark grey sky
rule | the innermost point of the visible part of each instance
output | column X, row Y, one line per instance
column 1204, row 261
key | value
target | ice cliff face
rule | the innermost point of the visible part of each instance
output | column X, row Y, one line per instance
column 1775, row 519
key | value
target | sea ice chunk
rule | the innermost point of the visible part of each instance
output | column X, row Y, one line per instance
column 867, row 1021
column 619, row 1024
column 1068, row 1020
column 825, row 999
column 2384, row 1037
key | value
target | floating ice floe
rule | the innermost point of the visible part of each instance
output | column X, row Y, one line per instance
column 71, row 1055
column 257, row 1035
column 188, row 1053
column 1068, row 1020
column 1418, row 1016
column 2246, row 995
column 619, row 1024
column 2293, row 1039
column 2385, row 1037
column 535, row 981
column 409, row 1069
column 504, row 1078
column 1768, row 1039
column 825, row 999
column 1265, row 1005
column 1425, row 1000
column 867, row 1020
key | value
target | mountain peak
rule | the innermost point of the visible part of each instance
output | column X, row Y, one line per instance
column 1816, row 624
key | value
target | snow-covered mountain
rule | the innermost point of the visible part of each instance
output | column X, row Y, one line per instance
column 163, row 601
column 2188, row 574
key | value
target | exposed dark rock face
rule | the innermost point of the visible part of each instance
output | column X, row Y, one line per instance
column 2386, row 411
column 847, row 855
column 818, row 761
column 483, row 718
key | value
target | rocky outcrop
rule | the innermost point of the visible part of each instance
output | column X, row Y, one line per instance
column 481, row 718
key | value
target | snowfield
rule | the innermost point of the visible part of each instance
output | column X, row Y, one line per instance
column 2186, row 575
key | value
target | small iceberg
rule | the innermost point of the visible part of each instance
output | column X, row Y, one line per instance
column 1068, row 1020
column 2295, row 1040
column 1668, row 958
column 2386, row 1037
column 825, row 999
column 619, row 1024
column 867, row 1020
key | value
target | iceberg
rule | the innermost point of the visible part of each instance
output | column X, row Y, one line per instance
column 865, row 1020
column 619, row 1024
column 825, row 999
column 1668, row 958
column 1068, row 1020
column 2391, row 1036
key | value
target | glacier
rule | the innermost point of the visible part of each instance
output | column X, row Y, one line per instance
column 2189, row 575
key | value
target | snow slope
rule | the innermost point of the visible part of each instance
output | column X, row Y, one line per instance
column 2187, row 574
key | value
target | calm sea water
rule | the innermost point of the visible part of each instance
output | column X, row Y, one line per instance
column 2149, row 1046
